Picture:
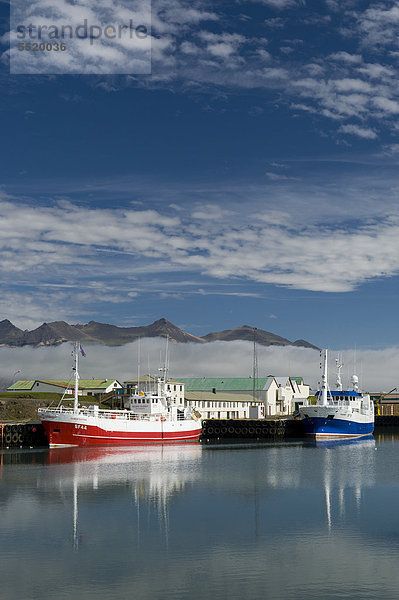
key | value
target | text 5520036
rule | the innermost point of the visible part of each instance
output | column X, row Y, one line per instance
column 42, row 46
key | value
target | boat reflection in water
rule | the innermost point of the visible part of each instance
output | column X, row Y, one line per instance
column 349, row 465
column 280, row 521
column 363, row 442
column 154, row 474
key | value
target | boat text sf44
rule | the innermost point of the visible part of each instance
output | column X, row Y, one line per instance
column 152, row 416
column 339, row 413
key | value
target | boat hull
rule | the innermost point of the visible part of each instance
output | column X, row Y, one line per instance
column 328, row 422
column 65, row 430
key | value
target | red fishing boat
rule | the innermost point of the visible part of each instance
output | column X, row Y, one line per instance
column 152, row 416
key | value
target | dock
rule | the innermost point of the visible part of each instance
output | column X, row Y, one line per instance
column 31, row 434
column 255, row 429
column 22, row 435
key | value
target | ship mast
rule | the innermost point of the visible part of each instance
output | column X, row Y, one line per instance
column 164, row 369
column 75, row 402
column 338, row 362
column 255, row 369
column 324, row 383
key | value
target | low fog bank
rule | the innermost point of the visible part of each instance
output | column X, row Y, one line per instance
column 376, row 369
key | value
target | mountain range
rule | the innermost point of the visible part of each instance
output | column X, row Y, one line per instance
column 57, row 332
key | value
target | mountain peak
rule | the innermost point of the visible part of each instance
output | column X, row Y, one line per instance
column 57, row 332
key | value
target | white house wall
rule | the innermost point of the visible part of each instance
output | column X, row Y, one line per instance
column 235, row 404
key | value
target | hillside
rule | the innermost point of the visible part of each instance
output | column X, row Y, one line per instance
column 245, row 332
column 57, row 332
column 111, row 335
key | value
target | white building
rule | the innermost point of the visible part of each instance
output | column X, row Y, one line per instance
column 228, row 397
column 154, row 384
column 238, row 398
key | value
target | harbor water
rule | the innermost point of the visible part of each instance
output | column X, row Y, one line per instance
column 279, row 521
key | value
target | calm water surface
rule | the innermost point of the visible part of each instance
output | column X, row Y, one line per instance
column 278, row 521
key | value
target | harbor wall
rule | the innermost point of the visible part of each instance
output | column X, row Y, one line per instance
column 255, row 429
column 31, row 434
column 22, row 435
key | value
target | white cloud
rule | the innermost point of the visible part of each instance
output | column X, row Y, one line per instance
column 387, row 105
column 363, row 132
column 278, row 176
column 346, row 57
column 209, row 241
column 376, row 71
column 377, row 369
column 378, row 25
column 338, row 86
column 351, row 85
column 221, row 49
column 280, row 4
column 189, row 48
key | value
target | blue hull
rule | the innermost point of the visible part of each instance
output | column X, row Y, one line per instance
column 319, row 426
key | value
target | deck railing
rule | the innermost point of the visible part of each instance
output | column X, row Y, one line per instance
column 104, row 414
column 361, row 407
column 110, row 414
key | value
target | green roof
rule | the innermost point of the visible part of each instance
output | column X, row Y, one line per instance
column 95, row 383
column 199, row 396
column 224, row 384
column 84, row 384
column 26, row 384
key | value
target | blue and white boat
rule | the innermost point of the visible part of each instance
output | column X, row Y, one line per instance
column 339, row 413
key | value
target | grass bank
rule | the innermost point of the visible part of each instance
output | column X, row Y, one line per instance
column 23, row 406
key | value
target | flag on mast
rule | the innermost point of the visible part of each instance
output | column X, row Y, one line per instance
column 83, row 353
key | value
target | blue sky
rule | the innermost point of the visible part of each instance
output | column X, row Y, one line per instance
column 252, row 178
